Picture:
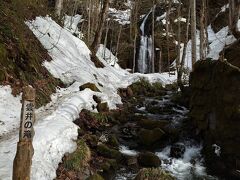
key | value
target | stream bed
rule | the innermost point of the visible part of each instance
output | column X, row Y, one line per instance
column 190, row 164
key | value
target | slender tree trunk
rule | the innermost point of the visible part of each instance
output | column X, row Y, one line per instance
column 98, row 35
column 89, row 21
column 179, row 38
column 180, row 71
column 234, row 15
column 135, row 52
column 153, row 37
column 105, row 40
column 58, row 7
column 206, row 27
column 118, row 41
column 167, row 35
column 203, row 32
column 134, row 30
column 193, row 31
column 160, row 61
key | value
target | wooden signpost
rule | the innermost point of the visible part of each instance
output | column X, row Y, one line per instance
column 23, row 159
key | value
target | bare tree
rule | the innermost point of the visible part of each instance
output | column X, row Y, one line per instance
column 167, row 29
column 99, row 31
column 180, row 70
column 134, row 30
column 203, row 31
column 153, row 37
column 193, row 31
column 179, row 37
column 118, row 41
column 58, row 7
column 234, row 15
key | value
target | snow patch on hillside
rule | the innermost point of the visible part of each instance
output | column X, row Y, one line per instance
column 217, row 43
column 10, row 108
column 121, row 16
column 55, row 132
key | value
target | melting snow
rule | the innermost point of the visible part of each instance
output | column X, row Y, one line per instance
column 55, row 133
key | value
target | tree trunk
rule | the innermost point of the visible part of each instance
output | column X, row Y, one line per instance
column 203, row 32
column 193, row 31
column 179, row 37
column 234, row 15
column 105, row 39
column 89, row 21
column 153, row 38
column 135, row 52
column 99, row 31
column 118, row 41
column 180, row 71
column 58, row 7
column 167, row 35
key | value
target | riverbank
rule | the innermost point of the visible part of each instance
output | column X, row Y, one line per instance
column 150, row 130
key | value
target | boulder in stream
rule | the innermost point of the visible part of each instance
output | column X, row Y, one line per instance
column 177, row 150
column 149, row 159
column 150, row 137
column 153, row 174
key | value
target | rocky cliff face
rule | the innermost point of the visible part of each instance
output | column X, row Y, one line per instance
column 215, row 109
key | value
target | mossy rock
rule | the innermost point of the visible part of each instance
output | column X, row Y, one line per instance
column 95, row 177
column 91, row 86
column 148, row 159
column 153, row 174
column 79, row 159
column 109, row 165
column 113, row 163
column 143, row 87
column 150, row 137
column 112, row 141
column 151, row 124
column 103, row 107
column 2, row 75
column 107, row 152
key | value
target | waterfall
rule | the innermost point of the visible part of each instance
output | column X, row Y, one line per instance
column 145, row 50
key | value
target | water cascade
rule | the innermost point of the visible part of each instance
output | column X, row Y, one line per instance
column 145, row 50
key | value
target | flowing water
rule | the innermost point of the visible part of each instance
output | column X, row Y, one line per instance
column 146, row 48
column 191, row 165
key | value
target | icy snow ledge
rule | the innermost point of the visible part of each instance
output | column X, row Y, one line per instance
column 10, row 108
column 55, row 134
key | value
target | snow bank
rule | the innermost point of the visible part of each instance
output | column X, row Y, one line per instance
column 71, row 24
column 120, row 16
column 55, row 133
column 10, row 108
column 217, row 43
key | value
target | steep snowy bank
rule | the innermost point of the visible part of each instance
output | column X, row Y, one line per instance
column 54, row 130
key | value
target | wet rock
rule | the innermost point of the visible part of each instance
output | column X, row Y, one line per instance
column 96, row 99
column 125, row 92
column 168, row 109
column 150, row 137
column 148, row 159
column 91, row 86
column 128, row 131
column 107, row 152
column 103, row 107
column 132, row 160
column 153, row 174
column 177, row 150
column 151, row 124
column 215, row 103
column 129, row 92
column 112, row 140
column 95, row 177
